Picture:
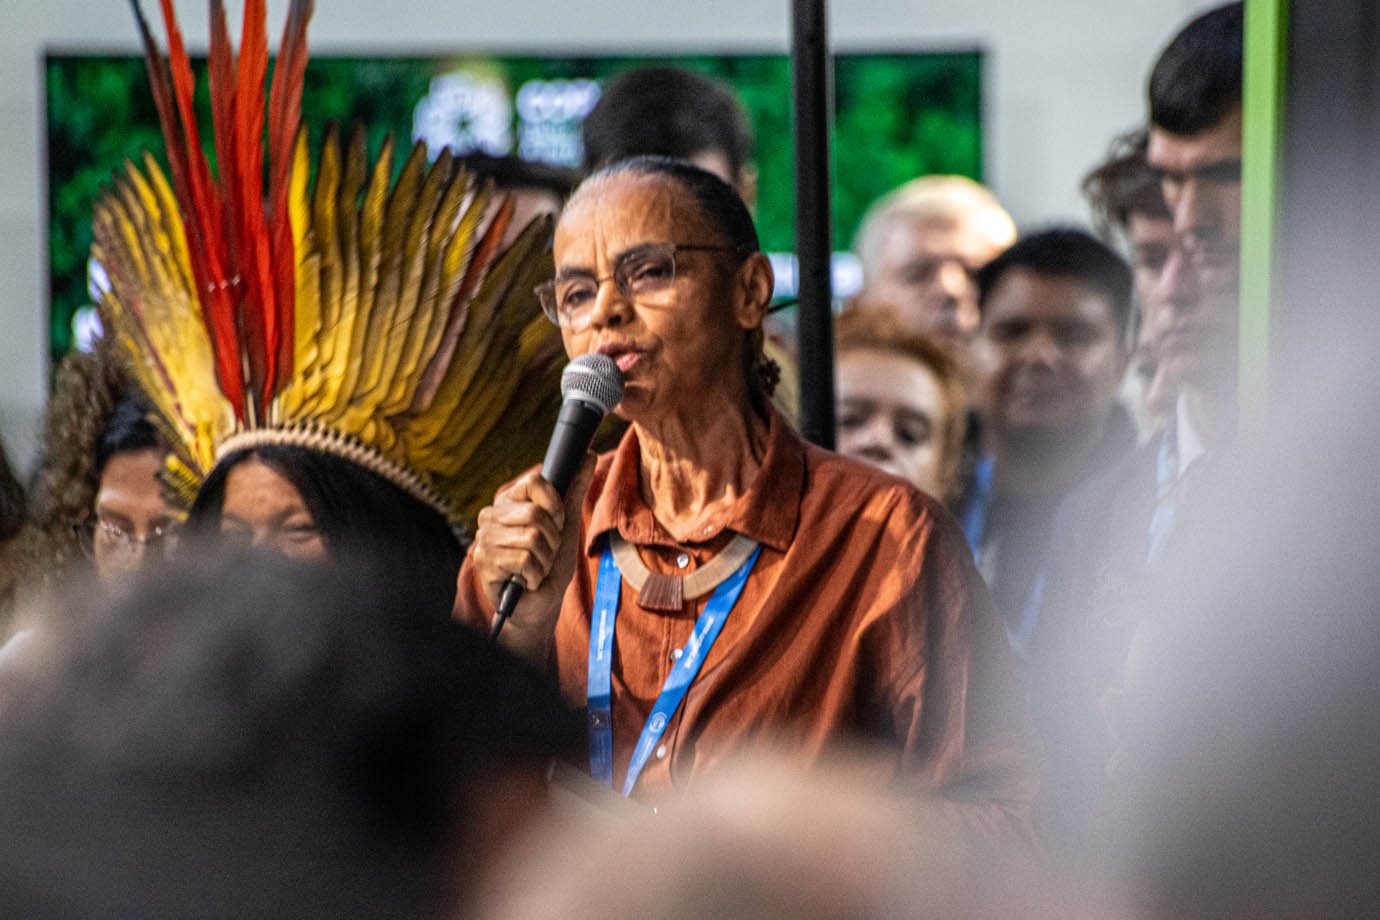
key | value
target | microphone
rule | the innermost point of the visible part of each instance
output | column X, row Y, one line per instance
column 591, row 386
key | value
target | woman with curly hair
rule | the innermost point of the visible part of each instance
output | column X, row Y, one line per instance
column 95, row 497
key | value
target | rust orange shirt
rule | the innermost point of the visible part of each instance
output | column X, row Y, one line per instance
column 864, row 620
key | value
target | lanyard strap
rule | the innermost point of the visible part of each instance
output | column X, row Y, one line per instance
column 598, row 693
column 975, row 514
column 1166, row 475
column 687, row 666
column 1020, row 632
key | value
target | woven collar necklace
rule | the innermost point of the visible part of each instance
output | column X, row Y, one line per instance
column 668, row 593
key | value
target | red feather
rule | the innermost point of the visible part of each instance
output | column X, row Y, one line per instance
column 239, row 239
column 484, row 254
column 198, row 200
column 258, row 320
column 284, row 118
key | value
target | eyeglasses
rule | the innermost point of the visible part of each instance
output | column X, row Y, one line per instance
column 638, row 274
column 120, row 544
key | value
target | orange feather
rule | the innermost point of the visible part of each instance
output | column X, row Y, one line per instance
column 199, row 201
column 284, row 116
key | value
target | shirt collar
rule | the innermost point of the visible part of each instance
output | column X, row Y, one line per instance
column 768, row 512
column 1187, row 422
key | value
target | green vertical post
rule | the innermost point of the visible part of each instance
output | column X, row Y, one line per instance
column 1263, row 89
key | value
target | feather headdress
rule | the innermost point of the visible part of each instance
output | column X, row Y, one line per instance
column 374, row 321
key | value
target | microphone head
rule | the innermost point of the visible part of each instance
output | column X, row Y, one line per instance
column 594, row 379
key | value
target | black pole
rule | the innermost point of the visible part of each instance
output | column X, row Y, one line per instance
column 812, row 84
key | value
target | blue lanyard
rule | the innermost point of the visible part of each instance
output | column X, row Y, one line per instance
column 599, row 688
column 1020, row 633
column 975, row 514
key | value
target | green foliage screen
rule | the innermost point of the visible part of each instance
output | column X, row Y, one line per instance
column 897, row 116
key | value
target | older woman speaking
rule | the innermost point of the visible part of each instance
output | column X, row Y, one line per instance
column 715, row 584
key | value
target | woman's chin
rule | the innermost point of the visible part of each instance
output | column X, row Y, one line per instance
column 637, row 405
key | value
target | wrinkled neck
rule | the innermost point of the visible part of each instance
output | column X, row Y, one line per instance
column 697, row 463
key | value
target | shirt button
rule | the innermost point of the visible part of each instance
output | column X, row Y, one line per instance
column 676, row 653
column 682, row 560
column 661, row 753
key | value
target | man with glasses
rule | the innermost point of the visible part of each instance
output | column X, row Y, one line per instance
column 1113, row 534
column 132, row 521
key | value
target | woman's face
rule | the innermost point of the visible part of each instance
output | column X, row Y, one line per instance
column 892, row 414
column 683, row 345
column 263, row 509
column 133, row 521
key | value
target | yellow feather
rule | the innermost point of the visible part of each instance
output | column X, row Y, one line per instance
column 407, row 327
column 387, row 316
column 484, row 368
column 336, row 370
column 154, row 313
column 327, row 237
column 307, row 299
column 307, row 289
column 433, row 308
column 521, row 430
column 354, row 319
column 175, row 236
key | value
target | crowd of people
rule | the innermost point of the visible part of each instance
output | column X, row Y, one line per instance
column 980, row 661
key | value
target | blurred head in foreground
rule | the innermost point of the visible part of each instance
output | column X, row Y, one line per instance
column 256, row 738
column 900, row 400
column 765, row 839
column 921, row 246
column 1250, row 749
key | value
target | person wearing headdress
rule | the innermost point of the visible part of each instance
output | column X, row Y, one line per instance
column 338, row 362
column 716, row 585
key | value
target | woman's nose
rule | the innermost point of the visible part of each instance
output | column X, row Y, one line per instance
column 876, row 434
column 611, row 308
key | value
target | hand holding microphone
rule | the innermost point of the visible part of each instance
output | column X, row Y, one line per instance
column 526, row 539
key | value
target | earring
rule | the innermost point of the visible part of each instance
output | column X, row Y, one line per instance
column 768, row 374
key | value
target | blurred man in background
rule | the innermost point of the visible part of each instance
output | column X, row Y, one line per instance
column 671, row 112
column 1113, row 534
column 1050, row 355
column 1128, row 205
column 921, row 246
column 1195, row 148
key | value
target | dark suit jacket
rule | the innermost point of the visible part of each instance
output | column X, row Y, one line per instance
column 1100, row 544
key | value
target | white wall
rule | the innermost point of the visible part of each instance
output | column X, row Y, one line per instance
column 1063, row 76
